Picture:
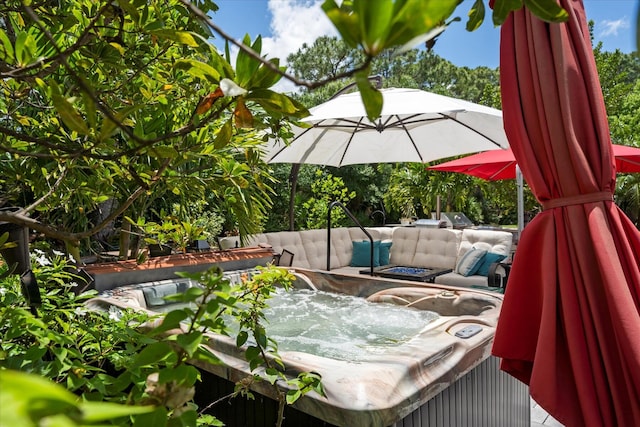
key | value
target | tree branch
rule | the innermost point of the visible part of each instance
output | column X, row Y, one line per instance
column 246, row 49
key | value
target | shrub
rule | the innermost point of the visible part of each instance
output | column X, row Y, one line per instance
column 122, row 357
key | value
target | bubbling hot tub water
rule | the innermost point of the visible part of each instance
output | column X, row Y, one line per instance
column 384, row 348
column 338, row 326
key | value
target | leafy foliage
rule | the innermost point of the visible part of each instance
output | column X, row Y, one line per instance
column 326, row 189
column 129, row 102
column 123, row 357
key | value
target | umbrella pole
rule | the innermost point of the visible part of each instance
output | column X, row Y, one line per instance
column 520, row 184
column 293, row 180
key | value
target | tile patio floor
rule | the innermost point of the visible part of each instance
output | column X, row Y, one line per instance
column 540, row 418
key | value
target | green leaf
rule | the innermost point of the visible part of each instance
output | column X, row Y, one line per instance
column 102, row 411
column 203, row 354
column 371, row 97
column 246, row 66
column 346, row 23
column 128, row 7
column 183, row 37
column 21, row 38
column 108, row 126
column 476, row 15
column 242, row 338
column 90, row 109
column 415, row 18
column 28, row 394
column 152, row 354
column 224, row 135
column 183, row 374
column 264, row 78
column 190, row 342
column 547, row 10
column 4, row 238
column 198, row 69
column 260, row 336
column 7, row 51
column 67, row 112
column 164, row 152
column 171, row 321
column 157, row 418
column 252, row 353
column 502, row 8
column 278, row 103
column 292, row 396
column 375, row 18
column 271, row 375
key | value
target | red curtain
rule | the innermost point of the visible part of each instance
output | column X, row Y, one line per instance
column 570, row 323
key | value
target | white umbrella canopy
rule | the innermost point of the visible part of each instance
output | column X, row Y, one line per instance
column 415, row 126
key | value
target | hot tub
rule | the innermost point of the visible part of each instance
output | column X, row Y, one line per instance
column 394, row 384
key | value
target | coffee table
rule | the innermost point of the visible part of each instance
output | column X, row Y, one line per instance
column 416, row 274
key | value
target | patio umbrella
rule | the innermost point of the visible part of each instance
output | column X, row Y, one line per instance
column 415, row 126
column 570, row 322
column 501, row 164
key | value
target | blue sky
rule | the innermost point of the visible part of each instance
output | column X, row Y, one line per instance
column 286, row 24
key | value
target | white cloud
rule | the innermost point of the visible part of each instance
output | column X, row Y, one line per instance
column 294, row 23
column 608, row 28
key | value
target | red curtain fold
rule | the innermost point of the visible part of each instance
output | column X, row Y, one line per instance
column 570, row 323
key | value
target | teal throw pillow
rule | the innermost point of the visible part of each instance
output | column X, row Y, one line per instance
column 362, row 254
column 385, row 252
column 489, row 258
column 469, row 263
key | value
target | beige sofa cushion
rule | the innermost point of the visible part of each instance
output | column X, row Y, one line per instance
column 403, row 248
column 384, row 233
column 498, row 242
column 425, row 247
column 490, row 240
column 289, row 240
column 315, row 246
column 437, row 248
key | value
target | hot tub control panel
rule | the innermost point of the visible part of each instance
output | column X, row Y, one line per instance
column 468, row 331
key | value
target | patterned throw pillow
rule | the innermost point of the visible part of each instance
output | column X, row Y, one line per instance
column 469, row 263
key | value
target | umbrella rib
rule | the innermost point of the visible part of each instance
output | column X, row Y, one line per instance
column 472, row 130
column 408, row 120
column 401, row 122
column 499, row 171
column 346, row 148
column 289, row 144
column 353, row 124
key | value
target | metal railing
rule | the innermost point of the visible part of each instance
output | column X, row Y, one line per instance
column 355, row 221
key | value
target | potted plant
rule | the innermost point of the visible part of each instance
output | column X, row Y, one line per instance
column 401, row 201
column 157, row 236
column 408, row 213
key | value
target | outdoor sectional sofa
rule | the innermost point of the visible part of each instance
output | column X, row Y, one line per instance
column 420, row 247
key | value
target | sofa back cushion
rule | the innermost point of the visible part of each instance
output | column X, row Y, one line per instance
column 384, row 233
column 405, row 241
column 494, row 241
column 425, row 247
column 437, row 248
column 289, row 240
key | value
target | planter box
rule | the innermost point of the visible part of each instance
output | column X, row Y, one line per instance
column 114, row 274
